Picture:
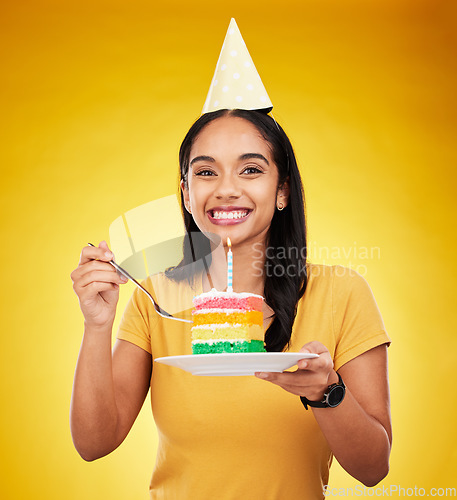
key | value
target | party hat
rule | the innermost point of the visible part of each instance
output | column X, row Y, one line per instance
column 236, row 83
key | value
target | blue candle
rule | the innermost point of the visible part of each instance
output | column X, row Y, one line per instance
column 229, row 266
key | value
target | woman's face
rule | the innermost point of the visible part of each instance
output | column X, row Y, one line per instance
column 232, row 181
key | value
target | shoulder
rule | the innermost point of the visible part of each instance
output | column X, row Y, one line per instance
column 337, row 285
column 324, row 271
column 338, row 277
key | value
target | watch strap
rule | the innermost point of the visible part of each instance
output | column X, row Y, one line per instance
column 324, row 402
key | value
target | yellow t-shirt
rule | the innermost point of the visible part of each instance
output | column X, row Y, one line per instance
column 232, row 438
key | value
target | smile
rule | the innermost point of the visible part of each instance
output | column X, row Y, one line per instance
column 228, row 216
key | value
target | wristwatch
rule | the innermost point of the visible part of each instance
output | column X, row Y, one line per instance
column 333, row 396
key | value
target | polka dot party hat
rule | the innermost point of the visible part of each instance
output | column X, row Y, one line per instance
column 236, row 83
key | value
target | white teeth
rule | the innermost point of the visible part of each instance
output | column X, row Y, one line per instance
column 236, row 214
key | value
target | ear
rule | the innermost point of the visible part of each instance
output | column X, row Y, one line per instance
column 185, row 195
column 282, row 195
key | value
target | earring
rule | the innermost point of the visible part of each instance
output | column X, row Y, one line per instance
column 188, row 209
column 280, row 206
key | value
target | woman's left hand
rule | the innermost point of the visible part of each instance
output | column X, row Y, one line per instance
column 312, row 377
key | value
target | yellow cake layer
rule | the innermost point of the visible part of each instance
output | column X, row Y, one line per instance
column 239, row 332
column 243, row 318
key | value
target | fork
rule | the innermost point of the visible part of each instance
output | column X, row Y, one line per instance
column 159, row 310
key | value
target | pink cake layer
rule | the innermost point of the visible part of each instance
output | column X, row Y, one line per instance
column 252, row 303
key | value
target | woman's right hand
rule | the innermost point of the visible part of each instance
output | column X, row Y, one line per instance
column 96, row 284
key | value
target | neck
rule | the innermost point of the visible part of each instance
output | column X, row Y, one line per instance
column 248, row 268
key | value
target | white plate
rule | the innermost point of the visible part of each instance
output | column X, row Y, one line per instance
column 242, row 363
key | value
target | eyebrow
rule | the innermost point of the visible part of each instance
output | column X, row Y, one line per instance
column 246, row 156
column 202, row 158
column 249, row 156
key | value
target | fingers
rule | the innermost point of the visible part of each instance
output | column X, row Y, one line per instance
column 100, row 274
column 96, row 283
column 102, row 252
column 95, row 271
column 94, row 274
column 300, row 382
column 311, row 377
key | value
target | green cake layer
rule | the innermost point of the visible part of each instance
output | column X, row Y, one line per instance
column 224, row 346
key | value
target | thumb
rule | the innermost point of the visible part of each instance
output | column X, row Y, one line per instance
column 314, row 347
column 104, row 246
column 306, row 348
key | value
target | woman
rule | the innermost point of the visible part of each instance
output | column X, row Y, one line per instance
column 239, row 437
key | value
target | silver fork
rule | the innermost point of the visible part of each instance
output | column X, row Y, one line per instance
column 160, row 311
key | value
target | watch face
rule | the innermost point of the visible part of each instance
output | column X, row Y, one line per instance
column 335, row 396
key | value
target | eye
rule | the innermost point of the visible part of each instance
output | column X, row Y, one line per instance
column 252, row 170
column 205, row 172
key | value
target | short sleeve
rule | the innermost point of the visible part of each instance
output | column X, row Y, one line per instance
column 135, row 325
column 357, row 322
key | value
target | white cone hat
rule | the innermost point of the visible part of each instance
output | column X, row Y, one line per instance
column 236, row 83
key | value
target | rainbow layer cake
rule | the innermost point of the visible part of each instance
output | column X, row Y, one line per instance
column 227, row 322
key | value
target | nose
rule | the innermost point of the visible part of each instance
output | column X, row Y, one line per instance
column 228, row 187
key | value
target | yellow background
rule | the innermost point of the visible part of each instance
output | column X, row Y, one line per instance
column 96, row 97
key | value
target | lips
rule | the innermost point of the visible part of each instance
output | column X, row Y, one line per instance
column 228, row 215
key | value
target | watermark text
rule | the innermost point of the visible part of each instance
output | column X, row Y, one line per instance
column 392, row 490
